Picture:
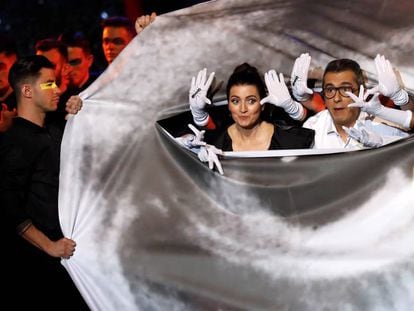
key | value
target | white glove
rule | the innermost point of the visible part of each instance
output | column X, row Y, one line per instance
column 208, row 153
column 279, row 95
column 374, row 107
column 388, row 82
column 198, row 97
column 205, row 152
column 192, row 141
column 361, row 134
column 299, row 78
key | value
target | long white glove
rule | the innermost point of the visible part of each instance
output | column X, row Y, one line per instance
column 374, row 107
column 388, row 84
column 198, row 96
column 361, row 134
column 279, row 95
column 299, row 78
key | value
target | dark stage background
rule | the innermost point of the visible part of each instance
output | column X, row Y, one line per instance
column 31, row 20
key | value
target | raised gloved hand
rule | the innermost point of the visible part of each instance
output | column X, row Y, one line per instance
column 279, row 95
column 388, row 84
column 374, row 107
column 361, row 134
column 208, row 153
column 299, row 78
column 198, row 96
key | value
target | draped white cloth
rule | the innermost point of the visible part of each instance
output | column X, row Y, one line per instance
column 156, row 230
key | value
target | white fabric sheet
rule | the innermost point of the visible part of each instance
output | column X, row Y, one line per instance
column 153, row 234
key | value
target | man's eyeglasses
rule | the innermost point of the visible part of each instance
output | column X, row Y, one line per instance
column 48, row 85
column 330, row 91
column 116, row 41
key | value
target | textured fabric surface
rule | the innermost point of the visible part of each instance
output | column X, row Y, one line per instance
column 157, row 230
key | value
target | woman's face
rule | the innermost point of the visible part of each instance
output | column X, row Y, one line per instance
column 244, row 105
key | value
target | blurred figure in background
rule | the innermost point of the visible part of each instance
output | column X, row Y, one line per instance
column 80, row 59
column 57, row 53
column 117, row 32
column 8, row 56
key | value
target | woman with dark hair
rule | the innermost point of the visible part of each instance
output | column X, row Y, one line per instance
column 246, row 96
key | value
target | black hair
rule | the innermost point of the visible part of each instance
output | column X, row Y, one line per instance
column 49, row 44
column 8, row 44
column 27, row 70
column 344, row 64
column 76, row 39
column 246, row 74
column 119, row 21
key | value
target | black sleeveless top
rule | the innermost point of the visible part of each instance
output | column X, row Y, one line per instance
column 284, row 137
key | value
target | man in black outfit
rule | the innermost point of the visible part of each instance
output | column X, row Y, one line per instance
column 29, row 183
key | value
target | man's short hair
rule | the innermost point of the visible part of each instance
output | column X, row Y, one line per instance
column 119, row 21
column 50, row 44
column 27, row 70
column 76, row 39
column 8, row 44
column 344, row 64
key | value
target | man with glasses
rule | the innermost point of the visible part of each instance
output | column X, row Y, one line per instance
column 346, row 122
